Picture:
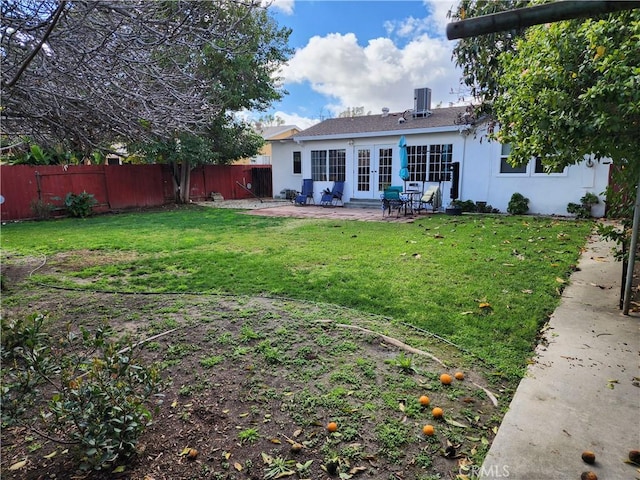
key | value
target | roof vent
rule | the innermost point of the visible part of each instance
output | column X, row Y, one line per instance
column 422, row 102
column 401, row 120
column 385, row 111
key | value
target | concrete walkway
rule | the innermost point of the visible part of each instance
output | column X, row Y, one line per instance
column 582, row 392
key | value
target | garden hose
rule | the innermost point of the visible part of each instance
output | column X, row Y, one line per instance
column 266, row 297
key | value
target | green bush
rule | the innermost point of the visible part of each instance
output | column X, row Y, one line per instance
column 486, row 208
column 97, row 391
column 80, row 205
column 465, row 205
column 583, row 209
column 518, row 205
column 589, row 199
column 578, row 210
column 470, row 206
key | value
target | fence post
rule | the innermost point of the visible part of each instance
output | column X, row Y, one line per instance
column 38, row 185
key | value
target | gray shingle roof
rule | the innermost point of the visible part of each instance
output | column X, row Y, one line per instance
column 440, row 117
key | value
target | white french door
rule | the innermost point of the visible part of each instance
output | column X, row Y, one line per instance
column 373, row 170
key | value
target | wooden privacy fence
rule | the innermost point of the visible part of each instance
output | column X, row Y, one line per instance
column 120, row 187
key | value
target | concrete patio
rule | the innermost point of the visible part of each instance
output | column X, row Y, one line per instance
column 284, row 208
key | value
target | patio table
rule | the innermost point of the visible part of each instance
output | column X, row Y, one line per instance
column 410, row 199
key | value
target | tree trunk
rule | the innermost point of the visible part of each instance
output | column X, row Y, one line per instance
column 175, row 177
column 185, row 181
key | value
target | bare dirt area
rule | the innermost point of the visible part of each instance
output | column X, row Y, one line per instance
column 252, row 383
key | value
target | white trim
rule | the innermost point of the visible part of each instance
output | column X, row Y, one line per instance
column 550, row 175
column 526, row 173
column 390, row 133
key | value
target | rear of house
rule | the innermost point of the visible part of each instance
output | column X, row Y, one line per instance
column 364, row 152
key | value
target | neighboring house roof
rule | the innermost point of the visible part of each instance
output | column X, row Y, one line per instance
column 270, row 133
column 441, row 119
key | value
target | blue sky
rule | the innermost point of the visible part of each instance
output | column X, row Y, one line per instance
column 363, row 53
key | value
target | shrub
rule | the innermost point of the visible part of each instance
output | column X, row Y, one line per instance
column 518, row 205
column 41, row 209
column 583, row 209
column 578, row 210
column 466, row 205
column 589, row 199
column 97, row 390
column 80, row 205
column 484, row 207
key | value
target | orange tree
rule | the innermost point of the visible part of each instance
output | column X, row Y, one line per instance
column 561, row 91
column 558, row 91
column 571, row 89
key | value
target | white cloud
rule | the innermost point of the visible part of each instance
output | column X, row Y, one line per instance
column 381, row 73
column 287, row 118
column 285, row 6
column 297, row 120
column 438, row 13
column 377, row 75
column 409, row 27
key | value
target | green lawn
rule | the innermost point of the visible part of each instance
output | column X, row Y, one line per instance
column 434, row 273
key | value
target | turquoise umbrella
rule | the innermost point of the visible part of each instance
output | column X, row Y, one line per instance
column 404, row 159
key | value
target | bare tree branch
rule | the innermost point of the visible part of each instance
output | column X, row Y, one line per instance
column 36, row 49
column 90, row 72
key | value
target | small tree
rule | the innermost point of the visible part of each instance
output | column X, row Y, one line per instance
column 76, row 387
column 224, row 142
column 562, row 91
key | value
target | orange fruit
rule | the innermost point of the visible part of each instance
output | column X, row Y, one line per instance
column 588, row 457
column 424, row 400
column 192, row 454
column 332, row 426
column 437, row 412
column 446, row 379
column 459, row 376
column 428, row 430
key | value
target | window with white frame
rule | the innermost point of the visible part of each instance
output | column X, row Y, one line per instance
column 544, row 169
column 333, row 170
column 440, row 159
column 385, row 168
column 319, row 165
column 505, row 166
column 364, row 170
column 418, row 162
column 297, row 162
column 430, row 163
column 337, row 165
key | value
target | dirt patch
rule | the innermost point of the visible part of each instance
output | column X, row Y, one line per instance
column 249, row 377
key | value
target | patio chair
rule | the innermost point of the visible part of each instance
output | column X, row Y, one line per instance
column 306, row 195
column 431, row 197
column 392, row 199
column 333, row 197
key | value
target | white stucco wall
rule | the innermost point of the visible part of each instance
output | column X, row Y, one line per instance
column 480, row 177
column 547, row 193
column 282, row 167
